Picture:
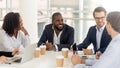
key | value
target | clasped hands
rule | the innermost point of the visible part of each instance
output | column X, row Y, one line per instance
column 49, row 46
column 76, row 59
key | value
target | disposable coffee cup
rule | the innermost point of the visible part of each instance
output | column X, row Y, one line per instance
column 37, row 52
column 43, row 50
column 65, row 52
column 80, row 53
column 60, row 61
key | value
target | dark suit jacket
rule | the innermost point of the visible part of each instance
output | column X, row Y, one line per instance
column 66, row 38
column 91, row 38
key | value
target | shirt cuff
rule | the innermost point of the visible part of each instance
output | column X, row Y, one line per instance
column 56, row 47
column 78, row 66
column 90, row 62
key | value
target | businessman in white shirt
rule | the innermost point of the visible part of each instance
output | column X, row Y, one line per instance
column 110, row 58
column 57, row 35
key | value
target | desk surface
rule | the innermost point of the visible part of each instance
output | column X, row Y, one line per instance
column 44, row 61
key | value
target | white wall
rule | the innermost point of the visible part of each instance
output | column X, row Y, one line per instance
column 28, row 11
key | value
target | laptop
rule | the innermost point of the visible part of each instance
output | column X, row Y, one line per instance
column 27, row 55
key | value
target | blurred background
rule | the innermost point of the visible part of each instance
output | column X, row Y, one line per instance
column 37, row 13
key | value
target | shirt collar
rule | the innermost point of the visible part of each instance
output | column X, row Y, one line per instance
column 116, row 37
column 102, row 28
column 54, row 29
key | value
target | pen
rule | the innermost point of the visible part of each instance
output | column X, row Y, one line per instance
column 74, row 48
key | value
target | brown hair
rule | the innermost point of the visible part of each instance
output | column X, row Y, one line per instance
column 99, row 9
column 11, row 22
column 114, row 19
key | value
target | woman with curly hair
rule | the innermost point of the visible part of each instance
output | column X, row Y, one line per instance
column 13, row 35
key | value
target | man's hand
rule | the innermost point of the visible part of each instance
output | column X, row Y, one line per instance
column 49, row 46
column 87, row 51
column 75, row 59
column 98, row 54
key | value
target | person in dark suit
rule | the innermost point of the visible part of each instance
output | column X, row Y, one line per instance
column 110, row 58
column 97, row 35
column 57, row 35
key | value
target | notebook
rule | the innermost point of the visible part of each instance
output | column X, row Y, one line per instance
column 27, row 55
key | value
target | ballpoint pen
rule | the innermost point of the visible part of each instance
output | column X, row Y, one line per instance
column 74, row 48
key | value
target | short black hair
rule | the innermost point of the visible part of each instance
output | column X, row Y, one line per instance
column 55, row 14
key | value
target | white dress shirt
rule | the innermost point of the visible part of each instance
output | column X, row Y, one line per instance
column 56, row 39
column 99, row 35
column 111, row 57
column 8, row 43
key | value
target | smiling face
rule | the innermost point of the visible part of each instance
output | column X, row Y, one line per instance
column 100, row 18
column 58, row 22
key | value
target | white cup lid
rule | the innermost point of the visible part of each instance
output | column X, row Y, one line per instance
column 43, row 46
column 64, row 49
column 37, row 49
column 60, row 57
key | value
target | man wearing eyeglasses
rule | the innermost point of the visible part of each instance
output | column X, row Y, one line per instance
column 97, row 35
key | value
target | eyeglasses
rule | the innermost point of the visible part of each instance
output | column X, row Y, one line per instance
column 99, row 17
